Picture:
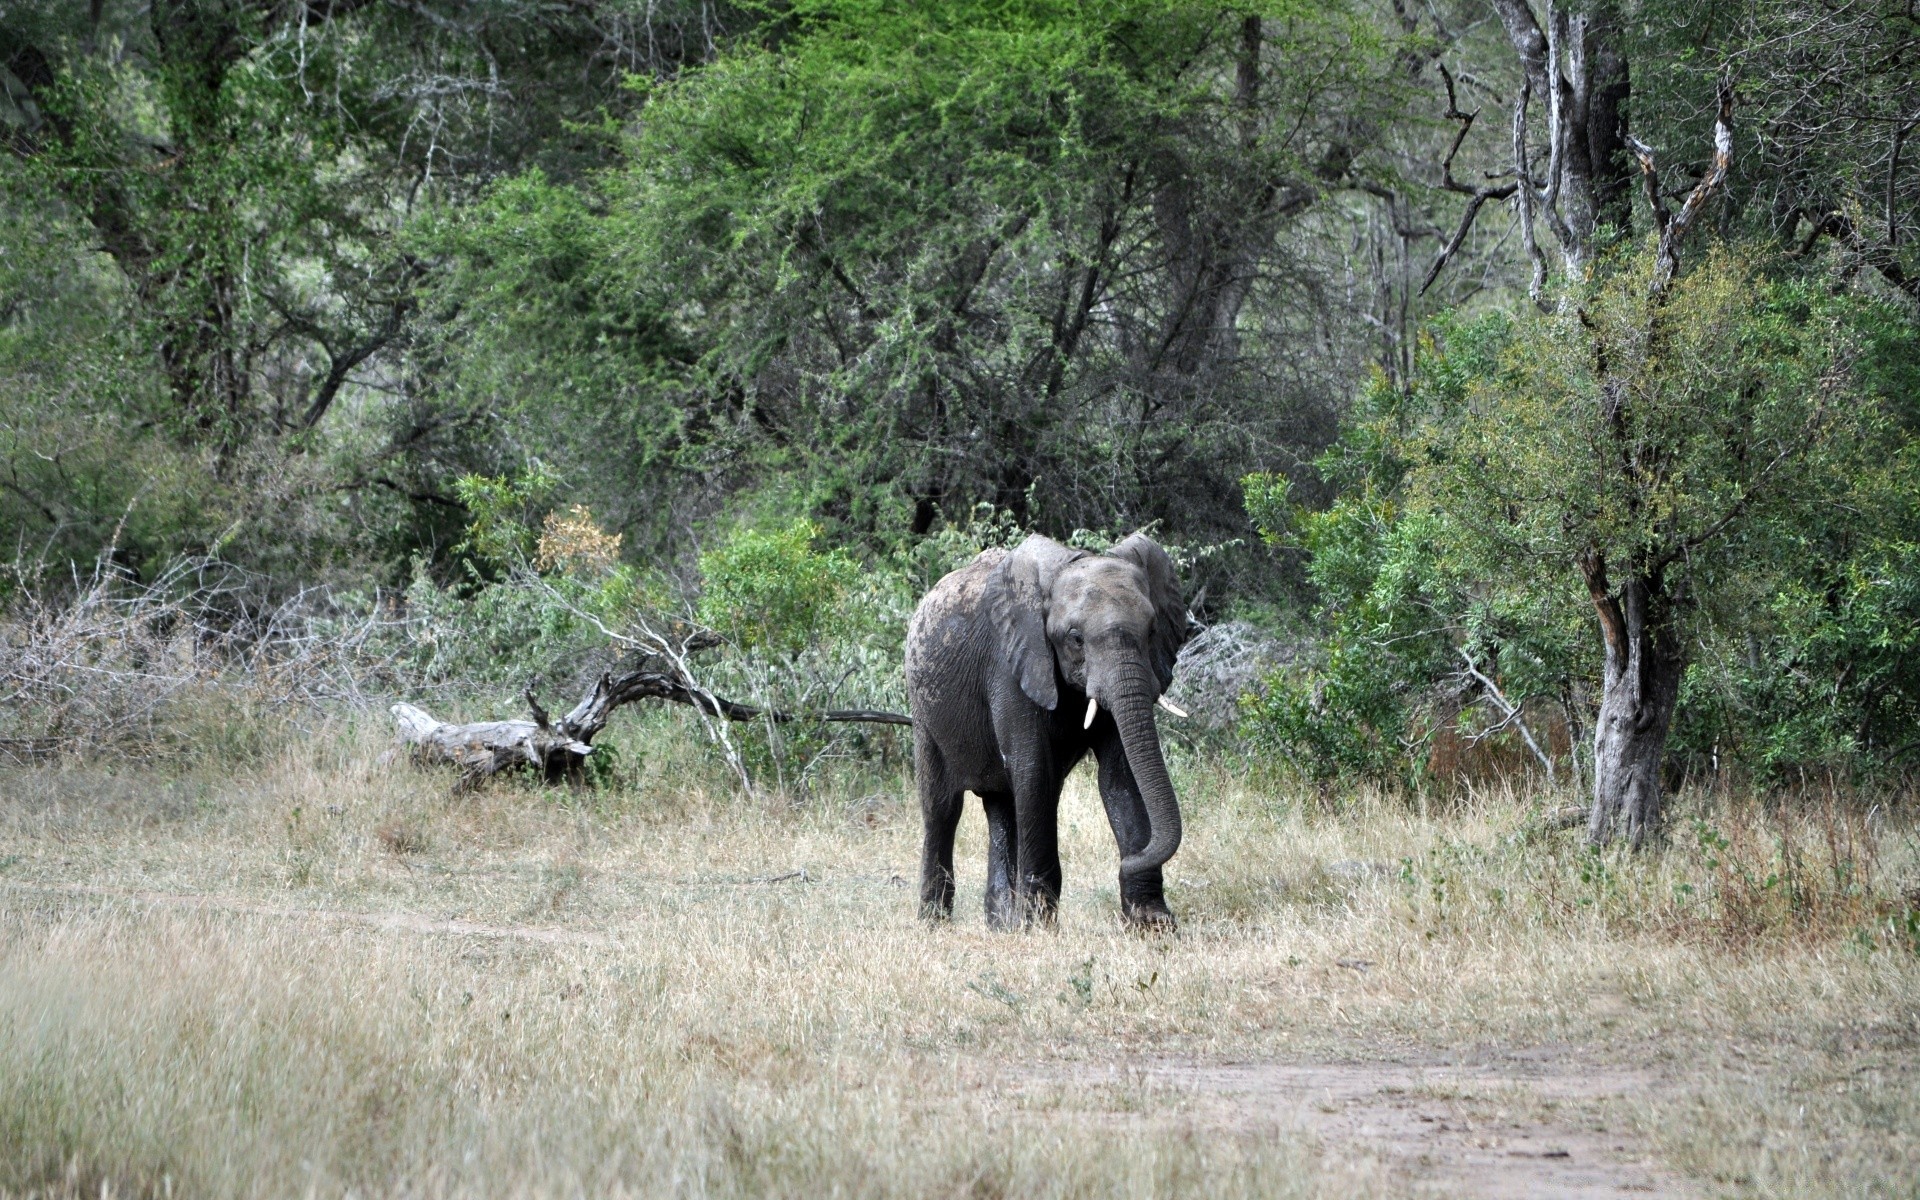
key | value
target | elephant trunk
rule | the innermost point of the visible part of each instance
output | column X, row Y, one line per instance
column 1131, row 702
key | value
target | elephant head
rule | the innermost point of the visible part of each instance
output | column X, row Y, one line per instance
column 1111, row 626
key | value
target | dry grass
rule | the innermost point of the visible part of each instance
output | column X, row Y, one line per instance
column 656, row 989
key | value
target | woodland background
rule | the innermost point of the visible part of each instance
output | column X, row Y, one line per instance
column 365, row 349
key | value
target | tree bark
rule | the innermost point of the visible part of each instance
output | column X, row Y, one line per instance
column 1588, row 174
column 1644, row 662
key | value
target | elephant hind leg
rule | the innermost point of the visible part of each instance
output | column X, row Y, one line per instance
column 940, row 806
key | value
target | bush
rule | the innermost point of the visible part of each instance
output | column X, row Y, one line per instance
column 771, row 590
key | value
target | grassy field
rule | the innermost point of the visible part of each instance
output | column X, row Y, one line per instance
column 326, row 974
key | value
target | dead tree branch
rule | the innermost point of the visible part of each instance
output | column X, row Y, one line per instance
column 557, row 749
column 1512, row 716
column 1476, row 197
column 1673, row 227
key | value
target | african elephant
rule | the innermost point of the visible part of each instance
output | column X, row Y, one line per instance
column 1019, row 663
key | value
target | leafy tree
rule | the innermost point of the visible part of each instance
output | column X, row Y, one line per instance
column 771, row 588
column 1662, row 441
column 1409, row 635
column 232, row 183
column 1035, row 255
column 1829, row 97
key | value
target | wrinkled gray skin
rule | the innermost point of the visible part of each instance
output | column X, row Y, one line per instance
column 1002, row 656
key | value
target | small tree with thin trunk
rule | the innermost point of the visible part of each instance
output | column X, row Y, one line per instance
column 1658, row 434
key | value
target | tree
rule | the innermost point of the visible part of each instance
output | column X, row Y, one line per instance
column 1576, row 64
column 232, row 189
column 1830, row 97
column 1654, row 433
column 1054, row 257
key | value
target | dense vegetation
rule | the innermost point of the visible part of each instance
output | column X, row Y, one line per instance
column 1516, row 371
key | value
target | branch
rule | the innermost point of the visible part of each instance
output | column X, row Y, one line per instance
column 1882, row 258
column 1557, row 134
column 338, row 367
column 1757, row 487
column 1513, row 713
column 1613, row 624
column 1537, row 285
column 643, row 685
column 1477, row 197
column 557, row 748
column 1674, row 226
column 1893, row 175
column 1528, row 41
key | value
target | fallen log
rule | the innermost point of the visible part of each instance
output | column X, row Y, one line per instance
column 558, row 749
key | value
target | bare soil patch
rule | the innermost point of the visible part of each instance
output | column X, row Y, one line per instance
column 1495, row 1124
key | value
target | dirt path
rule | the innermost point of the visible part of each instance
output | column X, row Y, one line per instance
column 407, row 922
column 1493, row 1126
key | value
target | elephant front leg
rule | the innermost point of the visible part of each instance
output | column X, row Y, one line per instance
column 1023, row 735
column 1143, row 899
column 1002, row 838
column 1037, row 857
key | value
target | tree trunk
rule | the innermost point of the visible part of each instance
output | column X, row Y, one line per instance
column 1588, row 175
column 1642, row 684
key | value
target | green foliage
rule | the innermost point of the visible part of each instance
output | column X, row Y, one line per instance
column 1267, row 498
column 1736, row 409
column 1821, row 667
column 1746, row 459
column 1353, row 711
column 845, row 291
column 951, row 546
column 1396, row 612
column 500, row 534
column 772, row 589
column 544, row 341
column 869, row 224
column 1771, row 471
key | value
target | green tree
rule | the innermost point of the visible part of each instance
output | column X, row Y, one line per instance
column 1410, row 636
column 232, row 186
column 1662, row 441
column 1039, row 255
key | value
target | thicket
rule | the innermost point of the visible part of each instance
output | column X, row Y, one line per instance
column 498, row 328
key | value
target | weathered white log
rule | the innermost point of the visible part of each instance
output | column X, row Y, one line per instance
column 558, row 748
column 484, row 747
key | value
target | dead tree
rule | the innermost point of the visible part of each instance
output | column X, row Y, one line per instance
column 559, row 749
column 1571, row 65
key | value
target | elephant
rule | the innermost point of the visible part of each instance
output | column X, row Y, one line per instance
column 1003, row 655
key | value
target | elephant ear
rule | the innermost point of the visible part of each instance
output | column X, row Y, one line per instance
column 1017, row 594
column 1163, row 590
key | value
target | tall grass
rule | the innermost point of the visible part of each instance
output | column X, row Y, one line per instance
column 326, row 975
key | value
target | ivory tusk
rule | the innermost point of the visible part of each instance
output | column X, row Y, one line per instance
column 1171, row 707
column 1093, row 708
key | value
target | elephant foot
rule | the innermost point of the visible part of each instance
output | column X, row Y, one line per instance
column 936, row 904
column 1151, row 916
column 1001, row 912
column 1047, row 919
column 1009, row 911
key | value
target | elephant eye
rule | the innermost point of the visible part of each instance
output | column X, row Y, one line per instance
column 1075, row 635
